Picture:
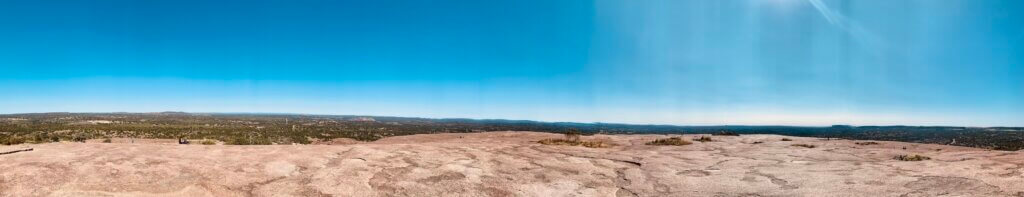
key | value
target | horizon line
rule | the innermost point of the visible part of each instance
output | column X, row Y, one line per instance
column 539, row 121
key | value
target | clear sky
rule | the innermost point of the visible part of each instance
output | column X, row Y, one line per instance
column 683, row 62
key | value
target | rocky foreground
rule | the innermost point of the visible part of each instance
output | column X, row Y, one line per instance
column 512, row 164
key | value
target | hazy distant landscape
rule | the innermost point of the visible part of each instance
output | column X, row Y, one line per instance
column 264, row 129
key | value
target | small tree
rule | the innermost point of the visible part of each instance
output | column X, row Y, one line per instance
column 572, row 135
column 12, row 140
column 79, row 137
column 39, row 138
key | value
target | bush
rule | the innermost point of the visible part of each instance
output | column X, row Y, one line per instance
column 703, row 139
column 572, row 138
column 866, row 143
column 804, row 145
column 14, row 140
column 594, row 144
column 79, row 137
column 588, row 144
column 238, row 141
column 249, row 141
column 208, row 142
column 572, row 135
column 672, row 141
column 107, row 140
column 39, row 138
column 786, row 139
column 726, row 133
column 911, row 158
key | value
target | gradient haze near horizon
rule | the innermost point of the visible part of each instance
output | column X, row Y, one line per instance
column 693, row 62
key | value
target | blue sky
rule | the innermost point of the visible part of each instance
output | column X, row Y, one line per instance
column 699, row 62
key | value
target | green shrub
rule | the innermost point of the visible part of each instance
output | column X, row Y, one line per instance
column 786, row 139
column 13, row 140
column 107, row 140
column 911, row 158
column 208, row 142
column 572, row 135
column 40, row 138
column 726, row 133
column 703, row 139
column 866, row 143
column 588, row 144
column 79, row 137
column 672, row 141
column 238, row 141
column 250, row 141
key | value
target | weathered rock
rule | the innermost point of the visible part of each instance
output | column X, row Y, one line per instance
column 512, row 164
